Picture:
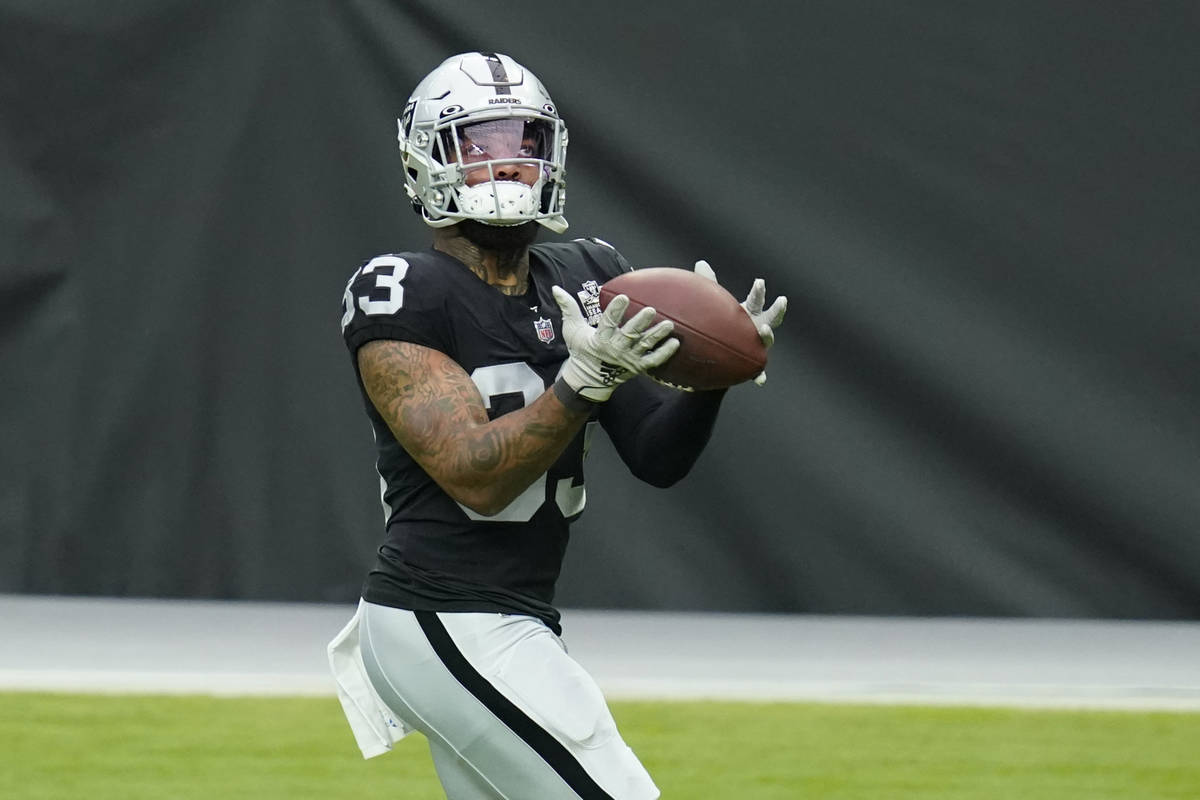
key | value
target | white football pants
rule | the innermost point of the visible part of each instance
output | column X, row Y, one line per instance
column 508, row 714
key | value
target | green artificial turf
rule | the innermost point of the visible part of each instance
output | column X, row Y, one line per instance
column 103, row 747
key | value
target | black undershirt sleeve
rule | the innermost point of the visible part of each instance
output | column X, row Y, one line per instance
column 659, row 432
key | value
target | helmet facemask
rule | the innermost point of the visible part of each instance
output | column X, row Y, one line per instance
column 505, row 164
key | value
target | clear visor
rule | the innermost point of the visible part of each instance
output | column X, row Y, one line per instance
column 499, row 139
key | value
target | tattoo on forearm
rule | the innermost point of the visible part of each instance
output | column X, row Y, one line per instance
column 436, row 413
column 486, row 452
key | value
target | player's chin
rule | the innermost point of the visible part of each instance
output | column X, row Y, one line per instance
column 499, row 237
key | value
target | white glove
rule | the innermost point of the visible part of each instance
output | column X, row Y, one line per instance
column 765, row 322
column 603, row 357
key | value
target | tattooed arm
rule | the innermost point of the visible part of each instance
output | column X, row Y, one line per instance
column 437, row 415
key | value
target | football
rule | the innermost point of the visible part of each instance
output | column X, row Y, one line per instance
column 718, row 345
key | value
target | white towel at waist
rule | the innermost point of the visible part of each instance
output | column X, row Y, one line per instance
column 375, row 727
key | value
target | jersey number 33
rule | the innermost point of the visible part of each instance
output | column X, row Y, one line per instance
column 385, row 299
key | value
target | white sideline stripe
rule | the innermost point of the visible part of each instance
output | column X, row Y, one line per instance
column 251, row 684
column 248, row 648
column 968, row 694
column 111, row 681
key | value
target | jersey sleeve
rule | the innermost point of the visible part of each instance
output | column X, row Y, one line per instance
column 395, row 297
column 607, row 258
column 659, row 432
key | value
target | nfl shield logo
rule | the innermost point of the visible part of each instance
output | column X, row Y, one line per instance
column 545, row 330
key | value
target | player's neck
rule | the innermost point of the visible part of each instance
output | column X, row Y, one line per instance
column 507, row 270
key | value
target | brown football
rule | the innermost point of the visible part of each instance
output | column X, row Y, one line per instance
column 718, row 345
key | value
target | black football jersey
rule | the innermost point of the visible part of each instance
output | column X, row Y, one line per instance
column 439, row 555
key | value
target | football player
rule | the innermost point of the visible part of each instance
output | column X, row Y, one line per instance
column 485, row 364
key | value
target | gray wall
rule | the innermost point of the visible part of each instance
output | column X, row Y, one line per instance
column 984, row 399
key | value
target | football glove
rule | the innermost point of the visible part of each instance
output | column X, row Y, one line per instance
column 602, row 358
column 765, row 322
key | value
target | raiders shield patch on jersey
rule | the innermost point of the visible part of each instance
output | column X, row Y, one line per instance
column 545, row 330
column 590, row 299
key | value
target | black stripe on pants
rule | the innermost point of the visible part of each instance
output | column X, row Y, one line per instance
column 545, row 745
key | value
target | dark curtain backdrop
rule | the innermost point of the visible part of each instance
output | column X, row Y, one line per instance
column 984, row 399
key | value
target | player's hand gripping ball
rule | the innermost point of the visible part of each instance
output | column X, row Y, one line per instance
column 719, row 345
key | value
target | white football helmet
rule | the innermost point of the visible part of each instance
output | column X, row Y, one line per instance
column 480, row 139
